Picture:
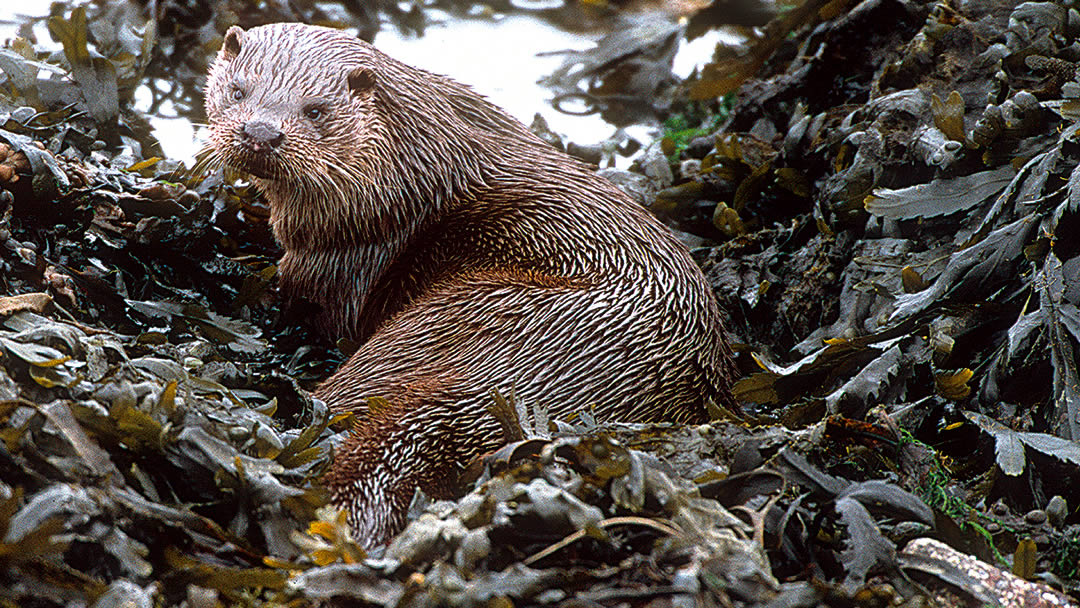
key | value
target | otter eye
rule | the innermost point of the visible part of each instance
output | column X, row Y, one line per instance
column 314, row 112
column 237, row 94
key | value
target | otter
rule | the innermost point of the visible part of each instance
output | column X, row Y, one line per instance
column 464, row 254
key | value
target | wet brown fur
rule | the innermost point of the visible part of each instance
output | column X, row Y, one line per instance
column 464, row 253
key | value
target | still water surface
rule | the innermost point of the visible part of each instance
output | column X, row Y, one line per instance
column 498, row 57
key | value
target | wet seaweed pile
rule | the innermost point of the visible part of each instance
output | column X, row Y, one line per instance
column 886, row 213
column 900, row 205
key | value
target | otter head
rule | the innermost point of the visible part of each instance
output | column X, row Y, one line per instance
column 294, row 106
column 283, row 103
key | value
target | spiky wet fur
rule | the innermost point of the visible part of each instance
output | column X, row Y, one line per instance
column 466, row 255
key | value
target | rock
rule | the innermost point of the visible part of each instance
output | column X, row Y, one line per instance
column 654, row 164
column 637, row 186
column 1056, row 511
column 1035, row 517
column 986, row 584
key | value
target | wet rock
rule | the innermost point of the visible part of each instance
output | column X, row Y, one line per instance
column 653, row 163
column 977, row 580
column 592, row 153
column 689, row 169
column 639, row 187
column 1056, row 511
column 699, row 147
column 1035, row 517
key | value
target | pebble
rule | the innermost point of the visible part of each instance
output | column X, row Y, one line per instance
column 1057, row 510
column 995, row 586
column 27, row 255
column 699, row 147
column 689, row 169
column 189, row 199
column 636, row 185
column 1035, row 517
column 654, row 164
column 551, row 596
column 591, row 154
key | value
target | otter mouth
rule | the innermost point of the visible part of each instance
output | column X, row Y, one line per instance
column 255, row 148
column 259, row 165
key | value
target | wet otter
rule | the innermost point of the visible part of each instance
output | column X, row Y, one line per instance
column 462, row 252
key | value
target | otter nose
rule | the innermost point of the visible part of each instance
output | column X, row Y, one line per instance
column 260, row 135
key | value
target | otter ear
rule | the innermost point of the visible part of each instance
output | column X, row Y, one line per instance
column 233, row 38
column 361, row 80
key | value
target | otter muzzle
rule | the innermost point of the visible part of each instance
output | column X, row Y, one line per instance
column 260, row 136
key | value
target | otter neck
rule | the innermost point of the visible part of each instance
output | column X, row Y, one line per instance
column 333, row 258
column 339, row 281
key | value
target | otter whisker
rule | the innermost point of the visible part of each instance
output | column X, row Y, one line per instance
column 206, row 160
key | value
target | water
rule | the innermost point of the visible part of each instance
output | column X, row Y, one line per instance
column 498, row 58
column 496, row 55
